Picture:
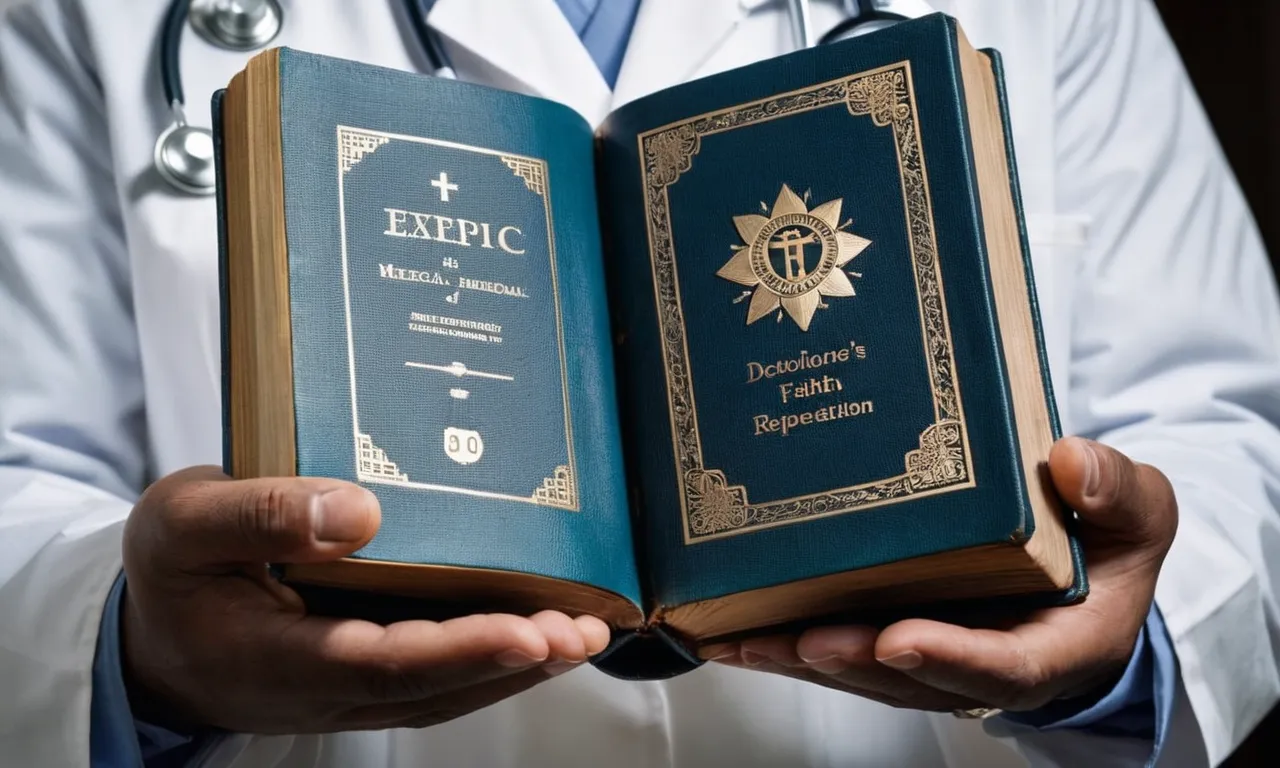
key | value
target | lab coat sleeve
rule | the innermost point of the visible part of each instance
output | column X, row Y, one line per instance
column 72, row 441
column 1174, row 361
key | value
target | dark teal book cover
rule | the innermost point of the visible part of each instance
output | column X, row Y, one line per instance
column 742, row 336
column 813, row 371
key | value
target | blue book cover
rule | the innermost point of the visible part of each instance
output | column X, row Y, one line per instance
column 734, row 360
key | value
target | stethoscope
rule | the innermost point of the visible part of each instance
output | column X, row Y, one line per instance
column 184, row 152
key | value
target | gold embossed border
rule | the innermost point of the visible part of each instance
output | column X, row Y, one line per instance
column 560, row 489
column 711, row 506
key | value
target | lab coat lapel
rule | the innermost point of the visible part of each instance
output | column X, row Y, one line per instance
column 531, row 44
column 671, row 40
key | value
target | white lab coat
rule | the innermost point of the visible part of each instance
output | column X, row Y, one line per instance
column 1158, row 307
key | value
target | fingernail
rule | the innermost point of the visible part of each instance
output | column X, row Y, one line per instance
column 753, row 659
column 1092, row 470
column 513, row 659
column 904, row 660
column 560, row 667
column 832, row 665
column 595, row 634
column 718, row 651
column 338, row 517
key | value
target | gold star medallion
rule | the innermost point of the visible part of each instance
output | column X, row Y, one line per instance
column 799, row 287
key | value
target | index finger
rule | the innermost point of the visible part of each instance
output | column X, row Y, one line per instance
column 358, row 662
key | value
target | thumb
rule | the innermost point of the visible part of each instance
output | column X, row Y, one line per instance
column 200, row 517
column 1113, row 495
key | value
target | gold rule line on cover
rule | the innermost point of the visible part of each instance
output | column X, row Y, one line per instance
column 560, row 488
column 711, row 506
column 460, row 370
column 345, row 155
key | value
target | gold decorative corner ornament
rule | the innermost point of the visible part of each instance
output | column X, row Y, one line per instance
column 940, row 459
column 670, row 153
column 882, row 95
column 560, row 490
column 532, row 171
column 789, row 227
column 354, row 145
column 372, row 463
column 714, row 505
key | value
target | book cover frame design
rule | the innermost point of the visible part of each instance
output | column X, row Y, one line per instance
column 372, row 465
column 711, row 506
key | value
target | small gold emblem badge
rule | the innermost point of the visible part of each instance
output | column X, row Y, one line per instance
column 807, row 274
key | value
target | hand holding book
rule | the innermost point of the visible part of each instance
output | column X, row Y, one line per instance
column 211, row 640
column 1128, row 517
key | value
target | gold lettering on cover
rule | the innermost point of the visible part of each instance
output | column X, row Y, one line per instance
column 443, row 225
column 805, row 361
column 392, row 272
column 457, row 328
column 786, row 423
column 811, row 387
column 502, row 240
column 940, row 463
column 490, row 286
column 467, row 230
column 419, row 225
column 397, row 219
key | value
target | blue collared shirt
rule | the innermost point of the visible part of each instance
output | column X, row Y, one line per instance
column 604, row 28
column 1139, row 705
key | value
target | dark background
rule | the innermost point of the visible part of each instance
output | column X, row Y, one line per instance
column 1226, row 45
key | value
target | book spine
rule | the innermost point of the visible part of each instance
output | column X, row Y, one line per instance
column 1080, row 588
column 997, row 65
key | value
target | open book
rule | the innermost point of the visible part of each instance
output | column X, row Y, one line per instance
column 763, row 349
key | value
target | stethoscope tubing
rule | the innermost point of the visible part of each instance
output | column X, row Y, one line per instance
column 170, row 42
column 179, row 13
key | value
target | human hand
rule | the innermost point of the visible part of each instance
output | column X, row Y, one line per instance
column 211, row 639
column 1128, row 516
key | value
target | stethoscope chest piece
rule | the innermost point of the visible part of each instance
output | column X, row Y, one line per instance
column 184, row 152
column 236, row 25
column 184, row 157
